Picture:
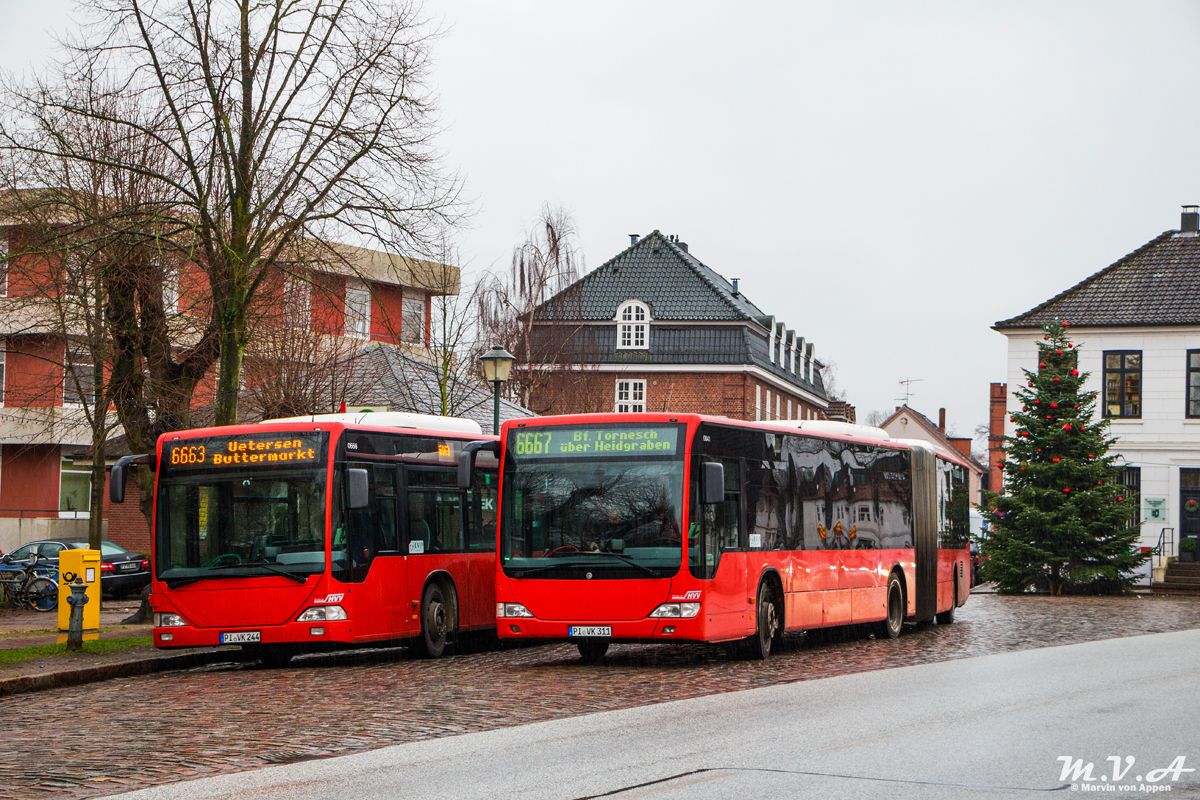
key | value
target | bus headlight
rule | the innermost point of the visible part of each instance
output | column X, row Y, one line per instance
column 164, row 620
column 676, row 610
column 512, row 610
column 322, row 614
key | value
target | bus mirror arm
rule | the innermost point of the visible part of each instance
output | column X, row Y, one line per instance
column 712, row 483
column 466, row 460
column 357, row 492
column 116, row 481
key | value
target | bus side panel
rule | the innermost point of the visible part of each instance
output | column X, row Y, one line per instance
column 479, row 611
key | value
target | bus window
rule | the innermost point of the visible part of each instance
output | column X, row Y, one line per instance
column 368, row 530
column 435, row 521
column 714, row 528
column 481, row 499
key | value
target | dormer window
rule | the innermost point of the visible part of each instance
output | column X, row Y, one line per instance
column 633, row 326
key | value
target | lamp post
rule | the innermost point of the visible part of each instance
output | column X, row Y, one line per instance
column 497, row 364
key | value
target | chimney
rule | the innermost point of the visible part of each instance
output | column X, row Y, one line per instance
column 682, row 246
column 1189, row 220
column 735, row 289
column 942, row 420
column 633, row 239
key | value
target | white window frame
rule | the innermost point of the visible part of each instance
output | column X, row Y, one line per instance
column 633, row 326
column 3, row 368
column 630, row 396
column 65, row 470
column 4, row 251
column 768, row 404
column 358, row 309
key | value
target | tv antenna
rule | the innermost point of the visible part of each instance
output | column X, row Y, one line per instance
column 907, row 391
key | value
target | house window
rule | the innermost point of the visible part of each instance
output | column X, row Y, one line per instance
column 633, row 326
column 3, row 364
column 79, row 382
column 74, row 491
column 171, row 291
column 358, row 310
column 1131, row 479
column 297, row 298
column 757, row 403
column 768, row 403
column 864, row 513
column 412, row 320
column 1123, row 383
column 631, row 397
column 1193, row 383
column 3, row 264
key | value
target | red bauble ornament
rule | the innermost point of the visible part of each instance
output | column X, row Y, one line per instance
column 1099, row 483
column 1042, row 364
column 1074, row 372
column 1070, row 345
column 1120, row 499
column 1047, row 416
column 1031, row 383
column 1067, row 427
column 1056, row 380
column 1022, row 469
column 1064, row 324
column 1045, row 336
column 1059, row 352
column 1054, row 405
column 1066, row 488
column 1055, row 460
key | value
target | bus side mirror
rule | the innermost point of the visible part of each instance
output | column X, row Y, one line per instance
column 120, row 471
column 357, row 493
column 466, row 460
column 712, row 483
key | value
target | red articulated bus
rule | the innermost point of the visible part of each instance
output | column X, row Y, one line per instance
column 320, row 533
column 677, row 527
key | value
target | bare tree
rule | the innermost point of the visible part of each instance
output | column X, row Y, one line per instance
column 530, row 312
column 283, row 125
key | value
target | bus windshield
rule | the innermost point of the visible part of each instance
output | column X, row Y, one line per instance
column 574, row 510
column 224, row 517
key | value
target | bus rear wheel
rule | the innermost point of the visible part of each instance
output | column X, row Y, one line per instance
column 889, row 628
column 436, row 616
column 768, row 623
column 591, row 651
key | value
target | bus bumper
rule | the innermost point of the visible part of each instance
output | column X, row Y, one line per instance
column 301, row 633
column 640, row 630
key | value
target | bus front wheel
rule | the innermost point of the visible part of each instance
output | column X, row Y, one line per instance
column 436, row 614
column 591, row 651
column 889, row 628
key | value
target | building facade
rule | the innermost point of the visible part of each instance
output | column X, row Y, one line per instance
column 654, row 329
column 45, row 371
column 1136, row 328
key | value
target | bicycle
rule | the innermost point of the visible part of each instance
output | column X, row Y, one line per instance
column 33, row 584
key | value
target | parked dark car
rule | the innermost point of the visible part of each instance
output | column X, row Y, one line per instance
column 975, row 563
column 121, row 572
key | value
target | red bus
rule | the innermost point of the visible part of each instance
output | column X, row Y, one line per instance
column 677, row 527
column 320, row 533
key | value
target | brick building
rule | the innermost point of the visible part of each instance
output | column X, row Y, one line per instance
column 654, row 329
column 45, row 453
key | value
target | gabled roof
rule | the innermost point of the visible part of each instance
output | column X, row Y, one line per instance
column 935, row 433
column 1157, row 284
column 660, row 273
column 403, row 383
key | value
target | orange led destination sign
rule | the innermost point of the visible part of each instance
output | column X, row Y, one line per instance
column 253, row 451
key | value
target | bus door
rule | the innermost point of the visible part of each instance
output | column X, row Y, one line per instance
column 436, row 534
column 480, row 606
column 718, row 555
column 369, row 547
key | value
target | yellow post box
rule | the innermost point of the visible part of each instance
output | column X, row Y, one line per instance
column 85, row 564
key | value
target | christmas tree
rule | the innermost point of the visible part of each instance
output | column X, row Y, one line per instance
column 1063, row 523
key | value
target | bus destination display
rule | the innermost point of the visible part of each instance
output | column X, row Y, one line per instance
column 573, row 442
column 280, row 450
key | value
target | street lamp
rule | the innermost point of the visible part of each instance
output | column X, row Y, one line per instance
column 497, row 364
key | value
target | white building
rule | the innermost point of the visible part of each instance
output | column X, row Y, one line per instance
column 1136, row 325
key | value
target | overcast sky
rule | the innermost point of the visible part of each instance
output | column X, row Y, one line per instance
column 889, row 179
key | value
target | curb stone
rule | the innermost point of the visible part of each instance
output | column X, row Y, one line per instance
column 105, row 672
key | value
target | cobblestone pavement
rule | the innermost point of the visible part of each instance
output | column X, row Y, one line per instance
column 110, row 737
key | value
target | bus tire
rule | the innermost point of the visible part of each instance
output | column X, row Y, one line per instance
column 767, row 628
column 436, row 614
column 591, row 651
column 947, row 617
column 889, row 627
column 273, row 656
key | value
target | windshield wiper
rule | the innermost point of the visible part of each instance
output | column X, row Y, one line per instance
column 266, row 566
column 527, row 571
